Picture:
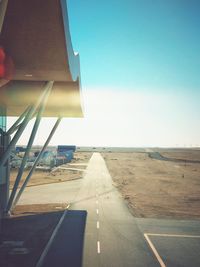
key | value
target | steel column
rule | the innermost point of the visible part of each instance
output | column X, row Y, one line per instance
column 3, row 7
column 4, row 174
column 29, row 146
column 35, row 164
column 15, row 126
column 27, row 118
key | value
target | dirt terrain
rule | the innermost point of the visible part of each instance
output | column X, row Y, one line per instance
column 154, row 188
column 158, row 188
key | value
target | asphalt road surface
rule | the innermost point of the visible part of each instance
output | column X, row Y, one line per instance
column 113, row 237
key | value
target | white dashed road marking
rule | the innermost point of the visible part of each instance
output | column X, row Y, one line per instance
column 98, row 247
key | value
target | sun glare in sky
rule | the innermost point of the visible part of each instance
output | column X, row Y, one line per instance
column 140, row 65
column 118, row 118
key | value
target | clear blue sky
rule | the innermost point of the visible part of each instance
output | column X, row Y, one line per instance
column 140, row 63
column 137, row 43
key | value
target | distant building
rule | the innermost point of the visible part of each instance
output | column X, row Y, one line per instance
column 63, row 148
column 19, row 149
column 67, row 152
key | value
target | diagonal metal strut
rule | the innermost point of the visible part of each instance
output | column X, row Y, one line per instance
column 35, row 164
column 28, row 148
column 23, row 125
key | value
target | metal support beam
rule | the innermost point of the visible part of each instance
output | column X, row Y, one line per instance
column 29, row 146
column 12, row 144
column 15, row 126
column 4, row 174
column 4, row 170
column 3, row 7
column 27, row 118
column 35, row 164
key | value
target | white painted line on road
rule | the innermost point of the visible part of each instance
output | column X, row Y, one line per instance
column 97, row 224
column 98, row 247
column 71, row 169
column 78, row 164
column 97, row 211
column 164, row 235
column 173, row 235
column 154, row 251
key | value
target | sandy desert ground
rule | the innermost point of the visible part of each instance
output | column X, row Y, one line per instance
column 152, row 188
column 158, row 188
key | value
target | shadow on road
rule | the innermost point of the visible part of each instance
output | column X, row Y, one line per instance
column 23, row 239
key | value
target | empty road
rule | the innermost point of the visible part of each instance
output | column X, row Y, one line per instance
column 113, row 237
